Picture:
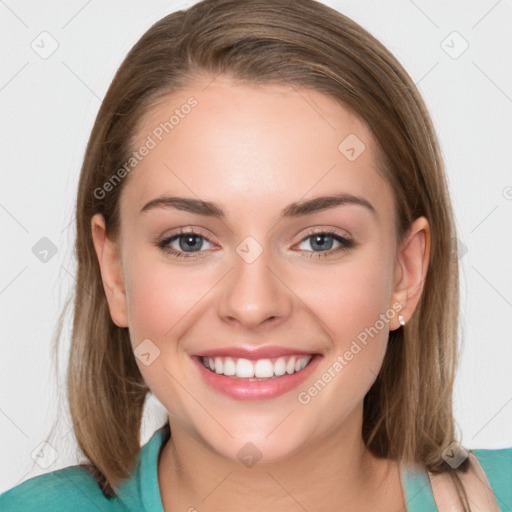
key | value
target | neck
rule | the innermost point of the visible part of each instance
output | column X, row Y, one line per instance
column 335, row 473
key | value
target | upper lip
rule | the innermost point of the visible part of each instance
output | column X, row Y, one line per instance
column 253, row 353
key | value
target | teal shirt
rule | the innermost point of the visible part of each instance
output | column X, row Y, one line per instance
column 74, row 489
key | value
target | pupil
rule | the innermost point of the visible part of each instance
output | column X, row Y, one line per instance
column 192, row 241
column 322, row 244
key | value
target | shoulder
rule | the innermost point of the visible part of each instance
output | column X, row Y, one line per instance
column 497, row 465
column 71, row 488
column 75, row 489
column 486, row 479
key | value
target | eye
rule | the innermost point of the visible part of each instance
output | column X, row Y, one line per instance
column 324, row 241
column 183, row 244
column 188, row 244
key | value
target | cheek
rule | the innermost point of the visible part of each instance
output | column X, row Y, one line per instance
column 354, row 304
column 351, row 297
column 161, row 300
column 354, row 308
column 158, row 298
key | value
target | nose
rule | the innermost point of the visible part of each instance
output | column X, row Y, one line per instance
column 255, row 294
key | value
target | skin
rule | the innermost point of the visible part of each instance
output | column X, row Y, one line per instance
column 254, row 150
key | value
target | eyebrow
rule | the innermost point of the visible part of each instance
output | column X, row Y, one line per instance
column 293, row 210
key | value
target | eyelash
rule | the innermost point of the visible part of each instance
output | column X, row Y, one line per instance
column 346, row 244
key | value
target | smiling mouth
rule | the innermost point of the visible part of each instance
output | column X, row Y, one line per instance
column 258, row 370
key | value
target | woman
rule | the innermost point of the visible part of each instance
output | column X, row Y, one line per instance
column 264, row 242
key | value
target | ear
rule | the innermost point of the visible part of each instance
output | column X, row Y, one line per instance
column 109, row 259
column 410, row 270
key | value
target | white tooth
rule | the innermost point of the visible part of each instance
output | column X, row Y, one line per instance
column 229, row 367
column 244, row 368
column 263, row 368
column 218, row 365
column 280, row 367
column 304, row 362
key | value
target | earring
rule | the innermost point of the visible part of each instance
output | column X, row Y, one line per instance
column 401, row 320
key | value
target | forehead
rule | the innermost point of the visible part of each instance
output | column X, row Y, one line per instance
column 253, row 147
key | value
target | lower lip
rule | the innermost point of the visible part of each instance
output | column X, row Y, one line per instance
column 241, row 389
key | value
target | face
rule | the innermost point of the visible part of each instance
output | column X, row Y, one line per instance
column 320, row 278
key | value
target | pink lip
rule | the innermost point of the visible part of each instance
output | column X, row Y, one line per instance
column 253, row 353
column 241, row 389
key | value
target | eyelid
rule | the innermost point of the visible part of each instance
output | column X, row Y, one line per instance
column 187, row 230
column 325, row 229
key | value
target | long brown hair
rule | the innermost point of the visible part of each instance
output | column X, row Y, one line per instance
column 408, row 411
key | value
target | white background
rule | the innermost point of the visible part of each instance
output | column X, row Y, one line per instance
column 48, row 108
